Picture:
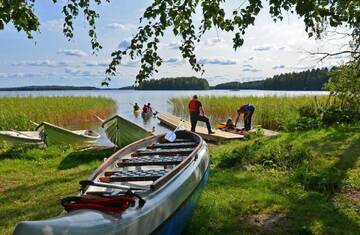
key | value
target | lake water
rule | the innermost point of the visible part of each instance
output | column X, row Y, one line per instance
column 158, row 99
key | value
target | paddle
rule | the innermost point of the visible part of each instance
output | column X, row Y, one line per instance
column 171, row 136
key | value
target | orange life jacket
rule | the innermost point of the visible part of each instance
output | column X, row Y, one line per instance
column 193, row 105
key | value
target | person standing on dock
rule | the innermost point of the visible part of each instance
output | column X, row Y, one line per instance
column 195, row 109
column 247, row 110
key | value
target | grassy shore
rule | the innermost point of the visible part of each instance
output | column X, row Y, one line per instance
column 295, row 183
column 68, row 111
column 273, row 112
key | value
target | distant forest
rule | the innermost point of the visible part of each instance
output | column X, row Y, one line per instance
column 313, row 79
column 178, row 83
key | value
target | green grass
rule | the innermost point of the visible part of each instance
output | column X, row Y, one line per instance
column 312, row 194
column 68, row 111
column 272, row 112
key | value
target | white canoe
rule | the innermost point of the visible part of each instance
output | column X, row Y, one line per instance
column 55, row 135
column 13, row 138
column 152, row 169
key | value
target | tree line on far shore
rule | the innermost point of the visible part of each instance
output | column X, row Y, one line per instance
column 177, row 83
column 313, row 79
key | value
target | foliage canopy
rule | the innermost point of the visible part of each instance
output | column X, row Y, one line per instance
column 177, row 16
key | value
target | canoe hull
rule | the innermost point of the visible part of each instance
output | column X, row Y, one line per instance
column 13, row 138
column 122, row 132
column 165, row 209
column 54, row 135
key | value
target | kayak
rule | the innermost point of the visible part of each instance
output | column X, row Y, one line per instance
column 146, row 115
column 122, row 132
column 13, row 138
column 148, row 187
column 55, row 135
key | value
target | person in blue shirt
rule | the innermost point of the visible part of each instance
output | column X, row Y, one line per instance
column 247, row 110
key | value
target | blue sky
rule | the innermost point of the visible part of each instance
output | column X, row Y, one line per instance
column 50, row 59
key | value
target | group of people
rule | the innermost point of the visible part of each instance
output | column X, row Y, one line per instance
column 197, row 113
column 146, row 108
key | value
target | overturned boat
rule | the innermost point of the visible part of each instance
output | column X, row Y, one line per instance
column 148, row 187
column 55, row 135
column 14, row 138
column 122, row 132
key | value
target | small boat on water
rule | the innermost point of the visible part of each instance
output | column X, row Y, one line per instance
column 146, row 115
column 148, row 187
column 122, row 132
column 55, row 135
column 13, row 138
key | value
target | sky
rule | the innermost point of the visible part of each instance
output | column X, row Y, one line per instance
column 50, row 59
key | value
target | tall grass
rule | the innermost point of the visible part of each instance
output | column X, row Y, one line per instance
column 17, row 112
column 272, row 112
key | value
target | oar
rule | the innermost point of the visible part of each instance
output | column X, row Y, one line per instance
column 85, row 183
column 171, row 136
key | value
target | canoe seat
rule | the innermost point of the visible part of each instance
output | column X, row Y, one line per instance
column 173, row 145
column 133, row 175
column 169, row 152
column 149, row 161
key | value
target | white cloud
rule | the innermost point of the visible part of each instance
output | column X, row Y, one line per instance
column 120, row 26
column 24, row 75
column 280, row 66
column 302, row 67
column 249, row 68
column 124, row 44
column 218, row 61
column 174, row 45
column 173, row 61
column 97, row 64
column 54, row 25
column 264, row 47
column 72, row 52
column 214, row 41
column 83, row 73
column 44, row 63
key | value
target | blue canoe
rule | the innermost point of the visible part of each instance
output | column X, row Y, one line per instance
column 168, row 177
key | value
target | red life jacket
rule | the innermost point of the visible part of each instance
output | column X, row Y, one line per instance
column 193, row 105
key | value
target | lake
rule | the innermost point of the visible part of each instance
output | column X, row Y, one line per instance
column 158, row 100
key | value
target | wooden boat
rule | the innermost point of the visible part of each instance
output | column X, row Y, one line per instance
column 219, row 135
column 13, row 138
column 159, row 183
column 122, row 132
column 146, row 115
column 55, row 135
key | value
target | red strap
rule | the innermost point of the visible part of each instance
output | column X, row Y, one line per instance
column 111, row 204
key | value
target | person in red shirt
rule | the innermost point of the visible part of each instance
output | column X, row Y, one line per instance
column 197, row 114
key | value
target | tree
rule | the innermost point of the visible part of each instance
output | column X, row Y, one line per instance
column 176, row 15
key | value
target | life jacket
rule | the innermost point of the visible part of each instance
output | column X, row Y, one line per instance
column 145, row 109
column 193, row 105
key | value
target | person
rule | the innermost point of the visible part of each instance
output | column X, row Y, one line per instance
column 145, row 109
column 149, row 107
column 136, row 107
column 197, row 113
column 247, row 110
column 230, row 124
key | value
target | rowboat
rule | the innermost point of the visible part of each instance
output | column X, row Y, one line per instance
column 19, row 137
column 55, row 135
column 122, row 132
column 155, row 183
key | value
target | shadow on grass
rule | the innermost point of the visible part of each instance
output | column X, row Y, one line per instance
column 37, row 201
column 78, row 158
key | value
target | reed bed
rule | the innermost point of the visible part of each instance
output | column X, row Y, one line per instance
column 67, row 111
column 272, row 112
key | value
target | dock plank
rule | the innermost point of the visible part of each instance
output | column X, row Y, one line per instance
column 172, row 122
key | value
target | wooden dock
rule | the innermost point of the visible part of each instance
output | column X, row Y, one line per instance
column 173, row 121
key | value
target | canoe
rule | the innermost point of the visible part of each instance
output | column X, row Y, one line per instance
column 159, row 184
column 55, row 135
column 122, row 132
column 137, row 111
column 13, row 138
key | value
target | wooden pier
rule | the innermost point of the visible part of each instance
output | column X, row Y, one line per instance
column 173, row 121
